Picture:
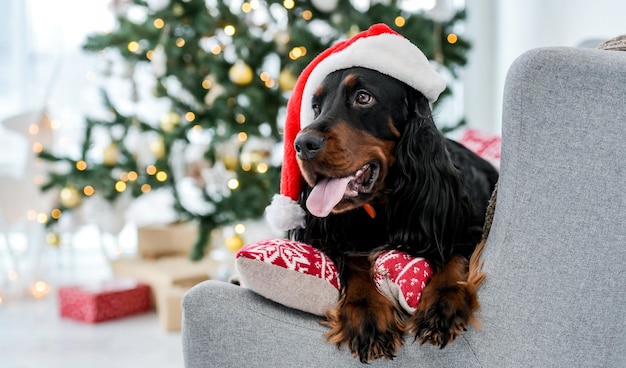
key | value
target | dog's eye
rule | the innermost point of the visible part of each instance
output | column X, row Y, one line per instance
column 316, row 109
column 363, row 97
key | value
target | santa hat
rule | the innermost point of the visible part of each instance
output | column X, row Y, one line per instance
column 378, row 48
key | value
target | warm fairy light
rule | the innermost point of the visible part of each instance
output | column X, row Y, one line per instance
column 88, row 190
column 400, row 21
column 262, row 168
column 233, row 184
column 297, row 52
column 120, row 186
column 33, row 129
column 242, row 137
column 206, row 84
column 161, row 176
column 39, row 289
column 81, row 165
column 124, row 176
column 240, row 118
column 42, row 218
column 246, row 166
column 37, row 147
column 146, row 188
column 55, row 213
column 132, row 176
column 151, row 170
column 452, row 38
column 31, row 215
column 13, row 275
column 216, row 49
column 246, row 7
column 265, row 76
column 190, row 116
column 55, row 124
column 197, row 128
column 307, row 15
column 133, row 46
column 270, row 83
column 240, row 228
column 288, row 4
column 149, row 54
column 229, row 30
column 158, row 23
column 180, row 42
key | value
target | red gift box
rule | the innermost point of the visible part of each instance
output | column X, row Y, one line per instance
column 104, row 301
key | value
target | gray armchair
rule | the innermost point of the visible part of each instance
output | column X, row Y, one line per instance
column 555, row 293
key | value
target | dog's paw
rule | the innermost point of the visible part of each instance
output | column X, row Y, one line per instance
column 369, row 333
column 443, row 314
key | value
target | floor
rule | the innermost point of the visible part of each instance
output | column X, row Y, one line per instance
column 33, row 335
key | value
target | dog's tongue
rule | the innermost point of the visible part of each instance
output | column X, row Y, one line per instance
column 325, row 195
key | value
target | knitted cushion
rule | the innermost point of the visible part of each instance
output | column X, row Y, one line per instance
column 301, row 277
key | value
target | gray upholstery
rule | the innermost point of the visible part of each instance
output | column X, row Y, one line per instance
column 555, row 291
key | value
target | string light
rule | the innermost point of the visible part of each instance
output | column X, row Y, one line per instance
column 132, row 176
column 190, row 116
column 229, row 30
column 297, row 52
column 37, row 147
column 180, row 42
column 146, row 188
column 133, row 46
column 242, row 137
column 161, row 176
column 33, row 129
column 81, row 165
column 88, row 190
column 216, row 49
column 240, row 118
column 42, row 218
column 307, row 15
column 240, row 228
column 56, row 213
column 262, row 168
column 400, row 21
column 289, row 4
column 206, row 84
column 39, row 289
column 151, row 170
column 120, row 186
column 246, row 7
column 233, row 184
column 158, row 23
column 452, row 38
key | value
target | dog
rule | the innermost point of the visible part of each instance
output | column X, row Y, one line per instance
column 380, row 176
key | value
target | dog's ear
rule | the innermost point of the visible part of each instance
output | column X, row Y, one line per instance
column 428, row 208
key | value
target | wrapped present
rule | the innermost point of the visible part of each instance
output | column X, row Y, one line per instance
column 154, row 241
column 485, row 145
column 169, row 308
column 104, row 300
column 169, row 278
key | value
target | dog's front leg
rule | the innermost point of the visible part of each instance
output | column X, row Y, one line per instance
column 364, row 320
column 449, row 302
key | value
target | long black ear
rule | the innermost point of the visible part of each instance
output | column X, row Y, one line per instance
column 428, row 211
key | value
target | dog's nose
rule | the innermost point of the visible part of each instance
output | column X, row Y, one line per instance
column 308, row 145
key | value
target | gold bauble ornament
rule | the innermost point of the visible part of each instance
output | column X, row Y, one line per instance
column 286, row 80
column 240, row 73
column 70, row 197
column 110, row 155
column 157, row 147
column 169, row 121
column 234, row 243
column 53, row 239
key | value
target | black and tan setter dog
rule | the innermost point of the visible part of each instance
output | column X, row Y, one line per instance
column 373, row 144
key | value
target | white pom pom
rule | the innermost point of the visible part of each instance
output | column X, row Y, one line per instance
column 284, row 213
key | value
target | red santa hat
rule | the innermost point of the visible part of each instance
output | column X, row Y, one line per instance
column 378, row 48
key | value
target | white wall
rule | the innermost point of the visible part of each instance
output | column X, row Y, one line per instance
column 503, row 30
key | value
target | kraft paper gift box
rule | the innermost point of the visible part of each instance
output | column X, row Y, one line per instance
column 104, row 300
column 177, row 239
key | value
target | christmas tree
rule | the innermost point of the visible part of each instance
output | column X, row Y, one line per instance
column 224, row 71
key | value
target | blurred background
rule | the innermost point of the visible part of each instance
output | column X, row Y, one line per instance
column 141, row 138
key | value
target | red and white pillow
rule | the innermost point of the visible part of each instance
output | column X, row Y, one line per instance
column 301, row 277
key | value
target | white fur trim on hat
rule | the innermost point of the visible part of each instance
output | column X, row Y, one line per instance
column 387, row 53
column 284, row 213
